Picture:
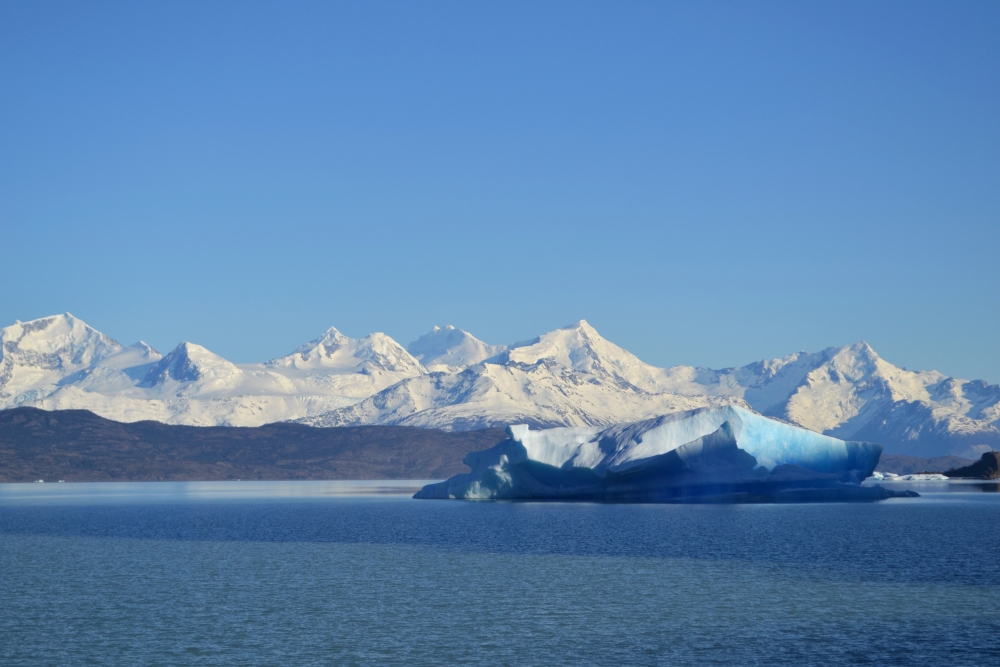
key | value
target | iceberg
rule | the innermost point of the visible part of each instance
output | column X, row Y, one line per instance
column 714, row 454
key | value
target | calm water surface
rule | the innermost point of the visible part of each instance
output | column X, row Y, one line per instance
column 318, row 573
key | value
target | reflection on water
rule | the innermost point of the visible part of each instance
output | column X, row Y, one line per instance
column 144, row 492
column 351, row 573
column 949, row 486
column 151, row 492
column 986, row 487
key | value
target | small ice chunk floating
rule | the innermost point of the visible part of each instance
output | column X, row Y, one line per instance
column 718, row 454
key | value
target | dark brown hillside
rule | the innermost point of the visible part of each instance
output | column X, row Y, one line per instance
column 78, row 446
column 987, row 467
column 907, row 465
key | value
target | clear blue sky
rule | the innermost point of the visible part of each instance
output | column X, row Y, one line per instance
column 705, row 183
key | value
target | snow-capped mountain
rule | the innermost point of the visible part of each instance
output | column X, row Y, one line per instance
column 450, row 350
column 573, row 376
column 852, row 393
column 495, row 394
column 580, row 349
column 570, row 376
column 36, row 355
column 191, row 384
column 335, row 352
column 450, row 379
column 191, row 365
column 136, row 356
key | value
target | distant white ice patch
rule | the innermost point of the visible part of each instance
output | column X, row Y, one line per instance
column 915, row 477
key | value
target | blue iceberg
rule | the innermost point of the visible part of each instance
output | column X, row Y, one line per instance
column 720, row 454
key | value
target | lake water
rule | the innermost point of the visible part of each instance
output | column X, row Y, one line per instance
column 319, row 573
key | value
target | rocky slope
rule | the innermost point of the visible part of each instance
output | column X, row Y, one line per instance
column 79, row 446
column 987, row 467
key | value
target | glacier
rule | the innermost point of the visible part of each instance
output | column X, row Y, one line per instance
column 727, row 454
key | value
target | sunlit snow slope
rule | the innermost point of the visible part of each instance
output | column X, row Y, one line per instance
column 570, row 376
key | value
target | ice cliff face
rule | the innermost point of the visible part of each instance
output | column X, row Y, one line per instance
column 726, row 452
column 449, row 379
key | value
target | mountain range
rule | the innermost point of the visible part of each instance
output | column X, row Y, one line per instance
column 448, row 379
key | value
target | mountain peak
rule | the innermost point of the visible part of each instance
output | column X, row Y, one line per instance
column 144, row 346
column 186, row 363
column 41, row 352
column 55, row 330
column 333, row 351
column 311, row 354
column 330, row 334
column 579, row 325
column 856, row 360
column 450, row 349
column 862, row 347
column 579, row 347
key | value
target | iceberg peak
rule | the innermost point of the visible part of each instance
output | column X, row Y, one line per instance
column 724, row 452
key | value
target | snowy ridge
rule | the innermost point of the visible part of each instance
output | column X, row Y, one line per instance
column 569, row 377
column 333, row 351
column 449, row 379
column 497, row 395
